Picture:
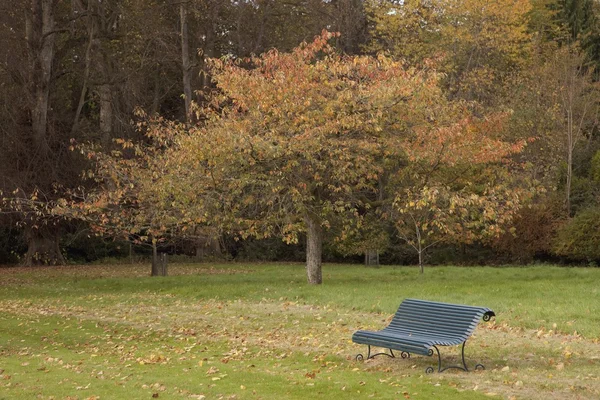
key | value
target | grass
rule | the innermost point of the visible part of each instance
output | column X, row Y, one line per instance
column 258, row 331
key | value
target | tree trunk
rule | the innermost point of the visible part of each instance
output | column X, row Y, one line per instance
column 155, row 108
column 88, row 62
column 101, row 28
column 570, row 149
column 155, row 260
column 130, row 253
column 207, row 246
column 314, row 250
column 420, row 249
column 40, row 42
column 43, row 248
column 208, row 50
column 163, row 264
column 106, row 112
column 372, row 258
column 185, row 59
column 40, row 35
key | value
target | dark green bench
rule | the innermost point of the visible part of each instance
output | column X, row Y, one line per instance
column 420, row 326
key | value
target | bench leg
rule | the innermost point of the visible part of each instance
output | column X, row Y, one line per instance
column 462, row 367
column 360, row 357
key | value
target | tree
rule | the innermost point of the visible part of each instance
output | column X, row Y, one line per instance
column 260, row 25
column 409, row 30
column 297, row 142
column 577, row 105
column 578, row 238
column 300, row 141
column 123, row 204
column 582, row 20
column 460, row 187
column 31, row 162
column 478, row 44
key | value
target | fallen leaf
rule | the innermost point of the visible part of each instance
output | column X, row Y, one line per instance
column 212, row 370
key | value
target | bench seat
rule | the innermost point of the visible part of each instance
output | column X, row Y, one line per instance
column 420, row 326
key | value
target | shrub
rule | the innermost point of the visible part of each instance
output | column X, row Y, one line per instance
column 579, row 238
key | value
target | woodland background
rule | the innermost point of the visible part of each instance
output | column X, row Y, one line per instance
column 103, row 72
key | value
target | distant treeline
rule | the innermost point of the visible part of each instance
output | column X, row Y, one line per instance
column 82, row 81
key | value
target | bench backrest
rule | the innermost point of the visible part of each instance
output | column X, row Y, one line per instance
column 433, row 318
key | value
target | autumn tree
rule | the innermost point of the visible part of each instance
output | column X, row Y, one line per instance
column 479, row 45
column 123, row 203
column 460, row 186
column 409, row 30
column 299, row 142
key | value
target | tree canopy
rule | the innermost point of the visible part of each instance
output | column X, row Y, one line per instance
column 300, row 142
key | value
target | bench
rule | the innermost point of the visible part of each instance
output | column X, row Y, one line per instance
column 420, row 326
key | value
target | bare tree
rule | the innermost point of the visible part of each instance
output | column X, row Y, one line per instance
column 40, row 34
column 578, row 98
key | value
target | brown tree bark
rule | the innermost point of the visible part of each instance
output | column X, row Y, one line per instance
column 155, row 261
column 186, row 66
column 314, row 250
column 43, row 248
column 207, row 247
column 372, row 258
column 105, row 87
column 91, row 28
column 349, row 18
column 105, row 93
column 40, row 36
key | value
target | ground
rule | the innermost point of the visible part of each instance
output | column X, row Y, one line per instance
column 258, row 331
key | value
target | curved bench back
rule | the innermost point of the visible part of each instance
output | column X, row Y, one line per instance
column 431, row 318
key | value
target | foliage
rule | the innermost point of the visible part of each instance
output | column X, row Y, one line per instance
column 124, row 204
column 582, row 18
column 579, row 237
column 481, row 43
column 595, row 168
column 79, row 70
column 301, row 140
column 534, row 230
column 460, row 187
column 407, row 29
column 369, row 233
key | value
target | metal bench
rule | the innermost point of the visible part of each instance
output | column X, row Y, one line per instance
column 420, row 326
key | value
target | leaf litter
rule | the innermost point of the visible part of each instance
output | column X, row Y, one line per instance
column 521, row 363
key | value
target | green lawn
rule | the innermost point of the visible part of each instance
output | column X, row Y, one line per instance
column 258, row 331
